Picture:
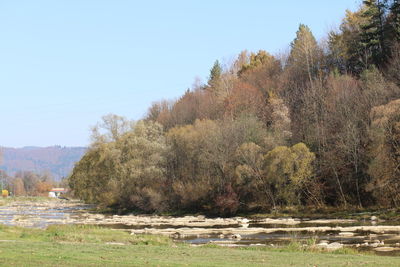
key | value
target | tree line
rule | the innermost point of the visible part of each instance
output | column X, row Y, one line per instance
column 27, row 183
column 317, row 126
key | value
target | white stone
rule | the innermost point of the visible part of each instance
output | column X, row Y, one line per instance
column 374, row 245
column 334, row 246
column 235, row 236
column 385, row 249
column 346, row 234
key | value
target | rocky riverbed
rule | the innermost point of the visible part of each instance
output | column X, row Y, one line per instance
column 41, row 213
column 371, row 234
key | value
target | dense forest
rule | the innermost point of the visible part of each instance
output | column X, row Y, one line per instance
column 318, row 126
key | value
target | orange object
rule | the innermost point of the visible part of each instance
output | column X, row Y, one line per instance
column 4, row 193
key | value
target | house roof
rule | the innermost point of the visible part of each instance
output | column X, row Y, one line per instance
column 58, row 190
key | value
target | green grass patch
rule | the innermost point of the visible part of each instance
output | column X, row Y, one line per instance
column 96, row 234
column 83, row 245
column 79, row 234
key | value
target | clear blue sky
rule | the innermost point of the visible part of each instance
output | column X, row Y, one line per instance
column 65, row 63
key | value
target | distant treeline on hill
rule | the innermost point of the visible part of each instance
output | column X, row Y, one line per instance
column 317, row 126
column 56, row 161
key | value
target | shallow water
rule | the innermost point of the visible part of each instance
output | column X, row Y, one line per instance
column 41, row 214
column 237, row 231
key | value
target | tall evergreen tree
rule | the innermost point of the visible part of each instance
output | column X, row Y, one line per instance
column 373, row 31
column 394, row 20
column 215, row 74
column 345, row 49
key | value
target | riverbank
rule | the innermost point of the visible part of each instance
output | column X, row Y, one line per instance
column 363, row 233
column 77, row 245
column 354, row 213
column 40, row 212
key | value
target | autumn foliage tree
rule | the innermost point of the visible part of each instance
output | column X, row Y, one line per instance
column 315, row 126
column 384, row 167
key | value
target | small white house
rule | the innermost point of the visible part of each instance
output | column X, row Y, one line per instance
column 56, row 192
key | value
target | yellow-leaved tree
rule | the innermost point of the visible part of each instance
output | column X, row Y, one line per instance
column 290, row 171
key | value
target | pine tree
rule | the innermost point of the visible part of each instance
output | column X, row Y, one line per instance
column 373, row 31
column 394, row 20
column 215, row 74
column 346, row 50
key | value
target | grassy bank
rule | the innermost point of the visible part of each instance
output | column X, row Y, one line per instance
column 94, row 246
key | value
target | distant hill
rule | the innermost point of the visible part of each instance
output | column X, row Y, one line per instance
column 57, row 160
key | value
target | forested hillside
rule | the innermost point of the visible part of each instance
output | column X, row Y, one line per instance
column 319, row 126
column 56, row 161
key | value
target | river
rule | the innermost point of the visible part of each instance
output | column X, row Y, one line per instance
column 374, row 234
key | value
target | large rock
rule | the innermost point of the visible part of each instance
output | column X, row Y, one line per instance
column 334, row 246
column 346, row 234
column 385, row 249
